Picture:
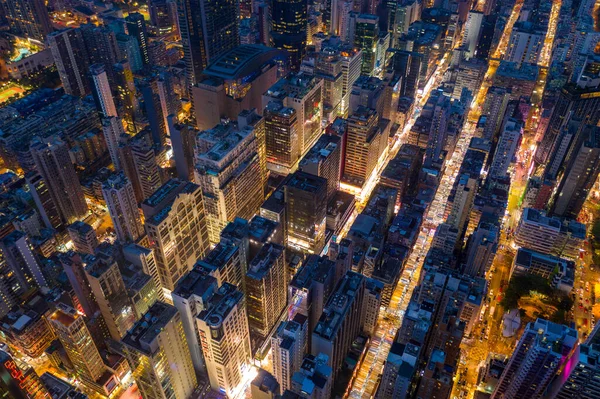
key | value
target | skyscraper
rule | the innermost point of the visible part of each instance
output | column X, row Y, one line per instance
column 122, row 207
column 306, row 206
column 191, row 294
column 145, row 166
column 136, row 27
column 507, row 147
column 472, row 32
column 71, row 59
column 575, row 100
column 227, row 168
column 366, row 36
column 19, row 380
column 53, row 162
column 73, row 264
column 266, row 285
column 281, row 137
column 364, row 146
column 106, row 283
column 43, row 200
column 542, row 349
column 102, row 92
column 303, row 93
column 112, row 128
column 70, row 328
column 157, row 353
column 581, row 380
column 580, row 175
column 223, row 328
column 324, row 159
column 208, row 29
column 19, row 264
column 289, row 345
column 289, row 28
column 28, row 18
column 176, row 227
column 341, row 321
column 83, row 237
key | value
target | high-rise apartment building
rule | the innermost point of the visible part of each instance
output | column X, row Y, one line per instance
column 341, row 321
column 70, row 328
column 108, row 288
column 20, row 270
column 83, row 237
column 225, row 339
column 306, row 206
column 190, row 297
column 122, row 208
column 102, row 92
column 494, row 108
column 282, row 137
column 507, row 147
column 481, row 249
column 314, row 379
column 289, row 28
column 580, row 175
column 525, row 43
column 324, row 159
column 112, row 128
column 53, row 162
column 364, row 146
column 266, row 283
column 27, row 329
column 157, row 353
column 576, row 100
column 289, row 344
column 43, row 200
column 581, row 380
column 183, row 137
column 28, row 18
column 71, row 59
column 227, row 168
column 175, row 223
column 303, row 93
column 472, row 32
column 235, row 83
column 542, row 349
column 366, row 36
column 145, row 166
column 136, row 27
column 208, row 30
column 74, row 266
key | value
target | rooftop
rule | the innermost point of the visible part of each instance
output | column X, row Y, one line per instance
column 197, row 283
column 221, row 304
column 142, row 336
column 294, row 85
column 338, row 304
column 242, row 61
column 306, row 182
column 264, row 260
column 314, row 269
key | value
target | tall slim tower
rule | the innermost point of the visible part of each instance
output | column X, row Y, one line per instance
column 266, row 287
column 281, row 136
column 208, row 29
column 580, row 175
column 289, row 345
column 106, row 283
column 306, row 205
column 146, row 167
column 71, row 59
column 289, row 28
column 53, row 162
column 136, row 27
column 70, row 328
column 223, row 328
column 542, row 349
column 122, row 207
column 112, row 127
column 101, row 91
